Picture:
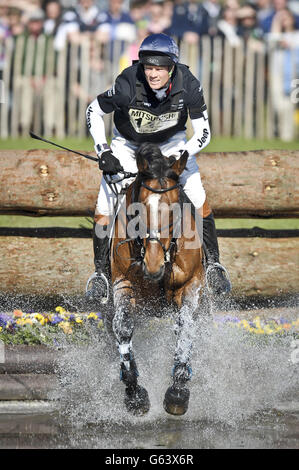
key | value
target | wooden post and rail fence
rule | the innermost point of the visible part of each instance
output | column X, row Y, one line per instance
column 58, row 261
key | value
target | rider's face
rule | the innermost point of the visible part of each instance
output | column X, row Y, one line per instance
column 156, row 76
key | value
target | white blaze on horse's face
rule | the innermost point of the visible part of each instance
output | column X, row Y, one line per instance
column 153, row 262
column 153, row 203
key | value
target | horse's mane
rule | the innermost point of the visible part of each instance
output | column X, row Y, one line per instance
column 155, row 165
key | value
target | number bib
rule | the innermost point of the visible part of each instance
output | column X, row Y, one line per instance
column 144, row 122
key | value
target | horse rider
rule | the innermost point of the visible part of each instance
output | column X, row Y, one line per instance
column 151, row 100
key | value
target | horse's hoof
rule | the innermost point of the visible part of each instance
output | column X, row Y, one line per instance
column 137, row 401
column 176, row 400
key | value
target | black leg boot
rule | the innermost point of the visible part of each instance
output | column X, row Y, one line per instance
column 217, row 277
column 97, row 287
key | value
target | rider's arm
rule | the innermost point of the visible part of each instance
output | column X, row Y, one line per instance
column 198, row 115
column 201, row 136
column 96, row 125
column 107, row 102
column 107, row 161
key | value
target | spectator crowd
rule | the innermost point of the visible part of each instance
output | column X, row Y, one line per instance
column 132, row 20
column 257, row 22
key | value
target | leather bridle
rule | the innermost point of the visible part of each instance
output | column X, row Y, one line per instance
column 153, row 235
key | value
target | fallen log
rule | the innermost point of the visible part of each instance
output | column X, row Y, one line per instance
column 247, row 184
column 44, row 182
column 46, row 266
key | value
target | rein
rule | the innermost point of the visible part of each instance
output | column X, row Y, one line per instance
column 151, row 236
column 162, row 190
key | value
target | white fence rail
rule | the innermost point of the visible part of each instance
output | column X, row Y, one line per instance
column 48, row 91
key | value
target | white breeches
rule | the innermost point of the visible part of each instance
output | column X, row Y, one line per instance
column 125, row 152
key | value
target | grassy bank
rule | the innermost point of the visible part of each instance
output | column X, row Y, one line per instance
column 85, row 222
column 218, row 144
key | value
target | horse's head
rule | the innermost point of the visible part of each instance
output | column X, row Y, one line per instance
column 159, row 192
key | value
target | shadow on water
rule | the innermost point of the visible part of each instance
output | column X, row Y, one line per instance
column 243, row 393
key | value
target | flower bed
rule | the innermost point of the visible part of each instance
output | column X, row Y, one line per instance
column 48, row 328
column 257, row 326
column 44, row 328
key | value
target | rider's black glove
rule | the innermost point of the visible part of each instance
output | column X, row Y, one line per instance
column 108, row 163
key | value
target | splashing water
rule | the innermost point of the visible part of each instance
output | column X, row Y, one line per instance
column 239, row 379
column 239, row 375
column 235, row 375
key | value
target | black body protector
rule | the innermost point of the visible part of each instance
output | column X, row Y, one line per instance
column 140, row 117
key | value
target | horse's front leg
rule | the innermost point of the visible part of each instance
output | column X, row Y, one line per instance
column 176, row 399
column 136, row 397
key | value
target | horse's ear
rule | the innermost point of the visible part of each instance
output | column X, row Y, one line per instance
column 141, row 160
column 142, row 165
column 179, row 165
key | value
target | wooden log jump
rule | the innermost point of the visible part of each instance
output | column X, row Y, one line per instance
column 238, row 184
column 47, row 266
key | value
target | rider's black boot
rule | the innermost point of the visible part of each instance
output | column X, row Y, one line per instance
column 217, row 276
column 97, row 288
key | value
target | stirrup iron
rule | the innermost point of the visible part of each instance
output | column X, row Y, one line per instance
column 223, row 269
column 104, row 299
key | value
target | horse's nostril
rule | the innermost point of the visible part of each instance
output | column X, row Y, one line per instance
column 153, row 276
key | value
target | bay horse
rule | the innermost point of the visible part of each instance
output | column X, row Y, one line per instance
column 161, row 259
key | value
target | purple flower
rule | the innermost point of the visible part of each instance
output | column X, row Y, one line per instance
column 56, row 320
column 227, row 319
column 220, row 319
column 4, row 319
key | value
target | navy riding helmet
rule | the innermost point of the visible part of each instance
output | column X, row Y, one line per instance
column 158, row 49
